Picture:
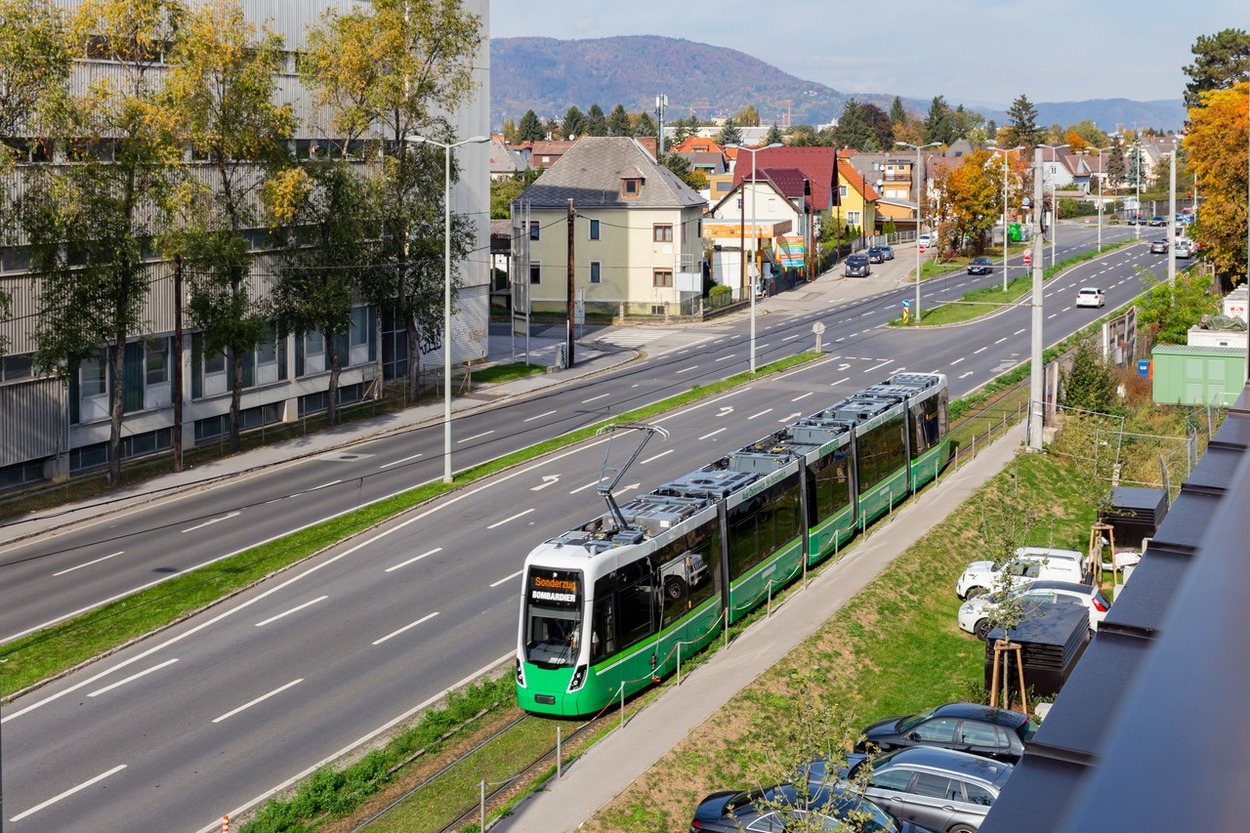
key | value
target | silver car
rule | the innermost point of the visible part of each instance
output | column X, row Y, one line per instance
column 934, row 787
column 974, row 614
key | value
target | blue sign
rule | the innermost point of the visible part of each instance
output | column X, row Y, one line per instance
column 1143, row 367
column 906, row 304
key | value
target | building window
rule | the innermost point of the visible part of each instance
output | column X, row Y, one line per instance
column 852, row 218
column 594, row 229
column 842, row 191
column 595, row 272
column 534, row 229
column 536, row 272
column 662, row 277
column 630, row 188
column 91, row 377
column 156, row 365
column 662, row 233
column 13, row 368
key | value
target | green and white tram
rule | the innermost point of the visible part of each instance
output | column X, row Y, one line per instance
column 607, row 607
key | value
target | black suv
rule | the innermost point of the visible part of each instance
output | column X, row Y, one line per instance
column 857, row 266
column 876, row 255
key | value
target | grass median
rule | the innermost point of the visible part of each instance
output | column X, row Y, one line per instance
column 54, row 650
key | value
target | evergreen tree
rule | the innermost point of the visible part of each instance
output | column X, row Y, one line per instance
column 898, row 114
column 575, row 124
column 1220, row 60
column 939, row 124
column 530, row 128
column 680, row 165
column 853, row 129
column 879, row 123
column 596, row 122
column 774, row 136
column 645, row 126
column 1022, row 129
column 618, row 122
column 730, row 134
column 1088, row 384
column 1114, row 172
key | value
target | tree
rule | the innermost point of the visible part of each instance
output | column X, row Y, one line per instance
column 969, row 206
column 393, row 66
column 774, row 136
column 596, row 122
column 645, row 126
column 1171, row 311
column 504, row 192
column 1220, row 61
column 683, row 128
column 1115, row 164
column 730, row 134
column 220, row 92
column 509, row 131
column 88, row 222
column 968, row 124
column 530, row 128
column 747, row 117
column 803, row 135
column 1022, row 129
column 328, row 217
column 1088, row 385
column 618, row 122
column 853, row 130
column 679, row 165
column 575, row 124
column 1215, row 146
column 880, row 125
column 939, row 124
column 898, row 114
column 1088, row 134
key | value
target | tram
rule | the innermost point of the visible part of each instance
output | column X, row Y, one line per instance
column 609, row 607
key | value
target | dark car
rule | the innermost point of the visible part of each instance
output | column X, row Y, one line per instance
column 768, row 811
column 980, row 266
column 1159, row 247
column 876, row 254
column 857, row 266
column 887, row 252
column 967, row 727
column 1158, row 221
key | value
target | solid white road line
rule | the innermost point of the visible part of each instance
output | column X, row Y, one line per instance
column 804, row 396
column 656, row 457
column 295, row 609
column 840, row 381
column 590, row 485
column 877, row 366
column 401, row 460
column 315, row 488
column 507, row 579
column 761, row 413
column 68, row 793
column 131, row 678
column 259, row 699
column 476, row 437
column 594, row 398
column 212, row 521
column 1017, row 332
column 686, row 369
column 513, row 518
column 407, row 627
column 414, row 560
column 712, row 434
column 88, row 564
column 725, row 358
column 540, row 416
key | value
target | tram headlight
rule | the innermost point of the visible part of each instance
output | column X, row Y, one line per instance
column 520, row 674
column 579, row 678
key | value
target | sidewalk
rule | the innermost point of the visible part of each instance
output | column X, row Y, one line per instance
column 613, row 763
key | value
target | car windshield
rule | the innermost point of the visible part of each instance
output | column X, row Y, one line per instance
column 1028, row 729
column 908, row 723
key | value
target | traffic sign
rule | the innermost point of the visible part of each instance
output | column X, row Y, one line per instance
column 922, row 248
column 1028, row 257
column 906, row 303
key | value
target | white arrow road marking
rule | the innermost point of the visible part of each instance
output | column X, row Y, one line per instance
column 725, row 411
column 548, row 480
column 792, row 417
column 965, row 375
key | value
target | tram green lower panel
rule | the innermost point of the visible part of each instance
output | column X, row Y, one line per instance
column 827, row 538
column 752, row 590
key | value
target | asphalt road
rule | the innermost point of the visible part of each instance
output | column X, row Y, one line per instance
column 213, row 714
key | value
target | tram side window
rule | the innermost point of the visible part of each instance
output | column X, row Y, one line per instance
column 687, row 567
column 603, row 629
column 833, row 483
column 928, row 425
column 761, row 526
column 637, row 603
column 880, row 452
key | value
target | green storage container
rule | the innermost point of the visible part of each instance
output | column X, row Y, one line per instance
column 1188, row 375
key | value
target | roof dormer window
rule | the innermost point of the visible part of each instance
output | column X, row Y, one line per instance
column 631, row 183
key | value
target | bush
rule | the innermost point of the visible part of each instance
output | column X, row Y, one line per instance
column 718, row 292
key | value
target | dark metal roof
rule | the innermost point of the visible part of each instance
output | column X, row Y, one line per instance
column 590, row 173
column 1149, row 732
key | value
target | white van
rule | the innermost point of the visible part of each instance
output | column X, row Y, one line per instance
column 1029, row 563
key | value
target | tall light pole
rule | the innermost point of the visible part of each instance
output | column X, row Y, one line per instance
column 1137, row 182
column 1054, row 199
column 920, row 183
column 1005, row 152
column 1100, row 179
column 755, row 234
column 447, row 149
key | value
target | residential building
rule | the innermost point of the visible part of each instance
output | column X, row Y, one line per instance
column 51, row 427
column 545, row 153
column 857, row 200
column 637, row 231
column 505, row 161
column 769, row 218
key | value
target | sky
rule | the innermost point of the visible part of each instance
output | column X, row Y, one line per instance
column 974, row 52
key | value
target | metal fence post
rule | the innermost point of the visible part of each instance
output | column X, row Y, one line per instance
column 482, row 810
column 679, row 662
column 559, row 752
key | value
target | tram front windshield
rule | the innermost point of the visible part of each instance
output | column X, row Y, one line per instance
column 553, row 617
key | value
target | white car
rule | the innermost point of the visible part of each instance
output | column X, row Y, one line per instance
column 927, row 239
column 1029, row 564
column 1184, row 247
column 974, row 614
column 1089, row 296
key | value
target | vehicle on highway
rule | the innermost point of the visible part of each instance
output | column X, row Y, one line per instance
column 974, row 614
column 1090, row 296
column 887, row 251
column 927, row 239
column 597, row 615
column 1028, row 563
column 1159, row 247
column 980, row 266
column 966, row 727
column 782, row 807
column 856, row 266
column 876, row 254
column 1158, row 221
column 1184, row 247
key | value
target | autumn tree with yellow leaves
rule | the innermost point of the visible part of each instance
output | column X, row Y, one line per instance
column 1216, row 145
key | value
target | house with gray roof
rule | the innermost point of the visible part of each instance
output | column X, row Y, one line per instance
column 637, row 231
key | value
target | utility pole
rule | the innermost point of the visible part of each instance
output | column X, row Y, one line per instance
column 1035, row 375
column 177, row 359
column 661, row 101
column 569, row 291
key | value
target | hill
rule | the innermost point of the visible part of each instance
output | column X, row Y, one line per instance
column 549, row 75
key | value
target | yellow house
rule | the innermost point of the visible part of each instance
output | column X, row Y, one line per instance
column 637, row 232
column 857, row 200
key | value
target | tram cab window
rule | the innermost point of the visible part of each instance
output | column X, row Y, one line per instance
column 553, row 636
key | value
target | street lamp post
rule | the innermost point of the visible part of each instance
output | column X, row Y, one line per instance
column 1137, row 182
column 447, row 149
column 919, row 212
column 755, row 234
column 1005, row 152
column 1054, row 199
column 1101, row 176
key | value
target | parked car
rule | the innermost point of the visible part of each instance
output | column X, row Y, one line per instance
column 887, row 251
column 974, row 614
column 1158, row 221
column 1159, row 247
column 966, row 727
column 1029, row 563
column 1090, row 296
column 856, row 266
column 876, row 255
column 980, row 266
column 927, row 239
column 1184, row 247
column 756, row 811
column 939, row 788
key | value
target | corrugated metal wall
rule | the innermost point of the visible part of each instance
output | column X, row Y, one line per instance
column 32, row 419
